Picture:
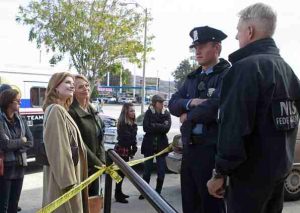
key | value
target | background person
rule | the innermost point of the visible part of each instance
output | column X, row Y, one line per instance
column 91, row 128
column 126, row 146
column 61, row 137
column 196, row 103
column 156, row 124
column 2, row 88
column 15, row 139
column 260, row 92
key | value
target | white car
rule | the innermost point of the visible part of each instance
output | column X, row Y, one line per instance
column 110, row 136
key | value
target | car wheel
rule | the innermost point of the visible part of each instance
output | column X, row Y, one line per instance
column 292, row 185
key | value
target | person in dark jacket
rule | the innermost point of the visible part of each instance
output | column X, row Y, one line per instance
column 15, row 140
column 2, row 88
column 156, row 125
column 196, row 103
column 91, row 128
column 259, row 116
column 126, row 146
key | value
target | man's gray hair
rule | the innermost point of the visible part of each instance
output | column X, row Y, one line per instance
column 263, row 16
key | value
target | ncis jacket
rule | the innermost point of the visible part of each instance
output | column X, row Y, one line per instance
column 259, row 113
column 156, row 126
column 200, row 86
column 91, row 128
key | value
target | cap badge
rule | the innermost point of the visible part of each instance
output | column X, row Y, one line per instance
column 195, row 35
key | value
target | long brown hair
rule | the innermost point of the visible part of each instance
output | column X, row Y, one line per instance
column 124, row 119
column 52, row 95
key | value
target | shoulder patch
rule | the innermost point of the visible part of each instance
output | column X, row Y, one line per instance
column 285, row 115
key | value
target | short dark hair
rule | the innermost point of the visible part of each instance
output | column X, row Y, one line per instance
column 7, row 97
column 4, row 87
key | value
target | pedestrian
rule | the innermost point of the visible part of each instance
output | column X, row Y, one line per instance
column 258, row 117
column 91, row 128
column 2, row 88
column 15, row 140
column 156, row 125
column 126, row 146
column 196, row 103
column 64, row 147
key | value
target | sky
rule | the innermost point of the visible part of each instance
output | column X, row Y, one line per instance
column 171, row 24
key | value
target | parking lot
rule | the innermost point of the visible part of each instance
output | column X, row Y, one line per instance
column 31, row 197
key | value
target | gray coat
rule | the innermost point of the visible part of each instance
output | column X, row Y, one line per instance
column 11, row 145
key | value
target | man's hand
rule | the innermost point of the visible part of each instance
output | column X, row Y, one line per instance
column 215, row 187
column 196, row 101
column 183, row 117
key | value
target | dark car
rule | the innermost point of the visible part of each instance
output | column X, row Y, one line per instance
column 292, row 182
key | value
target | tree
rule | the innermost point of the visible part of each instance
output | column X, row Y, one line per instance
column 96, row 34
column 181, row 72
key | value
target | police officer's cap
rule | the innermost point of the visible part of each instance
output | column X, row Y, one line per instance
column 157, row 98
column 206, row 34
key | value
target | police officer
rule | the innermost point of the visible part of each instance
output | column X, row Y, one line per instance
column 196, row 103
column 259, row 114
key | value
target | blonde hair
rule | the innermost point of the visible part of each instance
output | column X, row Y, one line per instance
column 124, row 119
column 80, row 77
column 52, row 95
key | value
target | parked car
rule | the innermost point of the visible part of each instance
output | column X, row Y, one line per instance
column 291, row 184
column 108, row 121
column 110, row 136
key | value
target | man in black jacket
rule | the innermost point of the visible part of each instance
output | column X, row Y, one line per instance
column 258, row 117
column 196, row 103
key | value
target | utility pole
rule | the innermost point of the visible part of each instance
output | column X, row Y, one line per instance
column 144, row 62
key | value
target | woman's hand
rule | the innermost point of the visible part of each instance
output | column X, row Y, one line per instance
column 133, row 150
column 24, row 139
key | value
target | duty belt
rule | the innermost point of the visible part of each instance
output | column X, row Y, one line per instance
column 197, row 139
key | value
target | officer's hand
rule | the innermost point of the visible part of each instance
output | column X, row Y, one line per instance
column 183, row 117
column 215, row 187
column 196, row 101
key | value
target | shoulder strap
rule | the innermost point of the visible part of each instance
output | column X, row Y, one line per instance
column 47, row 115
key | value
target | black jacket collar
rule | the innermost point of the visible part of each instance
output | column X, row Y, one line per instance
column 262, row 46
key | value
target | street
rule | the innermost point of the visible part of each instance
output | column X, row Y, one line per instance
column 31, row 197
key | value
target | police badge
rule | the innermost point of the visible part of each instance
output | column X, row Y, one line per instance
column 210, row 92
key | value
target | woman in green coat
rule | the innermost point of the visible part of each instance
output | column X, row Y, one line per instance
column 91, row 128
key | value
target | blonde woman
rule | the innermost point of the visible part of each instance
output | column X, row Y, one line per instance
column 91, row 128
column 64, row 147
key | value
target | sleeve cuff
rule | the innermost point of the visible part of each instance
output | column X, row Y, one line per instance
column 187, row 104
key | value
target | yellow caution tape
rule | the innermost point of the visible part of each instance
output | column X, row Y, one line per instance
column 110, row 170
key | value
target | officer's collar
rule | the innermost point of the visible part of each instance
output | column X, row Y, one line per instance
column 207, row 71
